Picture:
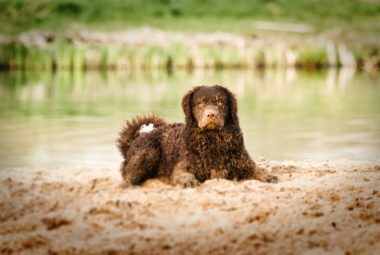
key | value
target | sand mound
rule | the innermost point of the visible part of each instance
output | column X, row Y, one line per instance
column 316, row 208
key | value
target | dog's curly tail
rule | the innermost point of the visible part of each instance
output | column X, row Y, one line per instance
column 132, row 129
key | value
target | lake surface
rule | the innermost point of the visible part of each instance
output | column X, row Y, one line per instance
column 72, row 119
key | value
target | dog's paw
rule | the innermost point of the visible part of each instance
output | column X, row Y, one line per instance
column 185, row 180
column 263, row 175
column 219, row 174
column 126, row 184
column 272, row 179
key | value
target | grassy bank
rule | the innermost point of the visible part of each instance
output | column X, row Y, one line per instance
column 228, row 34
column 156, row 49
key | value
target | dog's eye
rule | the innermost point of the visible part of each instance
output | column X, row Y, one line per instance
column 220, row 103
column 201, row 104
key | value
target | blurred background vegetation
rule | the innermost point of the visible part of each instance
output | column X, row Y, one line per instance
column 300, row 33
column 187, row 15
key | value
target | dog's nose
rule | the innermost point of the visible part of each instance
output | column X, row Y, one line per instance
column 211, row 115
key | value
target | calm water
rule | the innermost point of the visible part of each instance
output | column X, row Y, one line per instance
column 63, row 119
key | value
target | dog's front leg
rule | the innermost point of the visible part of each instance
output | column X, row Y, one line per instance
column 246, row 169
column 182, row 177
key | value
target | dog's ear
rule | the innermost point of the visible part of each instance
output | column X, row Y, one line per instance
column 232, row 103
column 187, row 106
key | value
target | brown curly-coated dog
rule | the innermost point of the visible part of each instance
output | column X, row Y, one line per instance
column 209, row 145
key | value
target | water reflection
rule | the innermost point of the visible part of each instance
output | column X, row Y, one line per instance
column 69, row 119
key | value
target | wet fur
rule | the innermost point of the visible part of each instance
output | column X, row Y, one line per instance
column 184, row 154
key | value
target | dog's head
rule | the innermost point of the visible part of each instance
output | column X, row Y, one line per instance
column 210, row 108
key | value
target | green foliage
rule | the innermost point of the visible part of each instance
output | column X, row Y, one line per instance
column 21, row 15
column 312, row 57
column 65, row 55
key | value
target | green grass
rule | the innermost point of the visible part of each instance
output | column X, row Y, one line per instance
column 312, row 57
column 362, row 16
column 63, row 55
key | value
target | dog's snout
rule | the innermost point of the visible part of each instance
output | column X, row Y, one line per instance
column 211, row 114
column 210, row 118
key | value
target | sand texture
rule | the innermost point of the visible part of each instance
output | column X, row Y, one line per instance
column 316, row 208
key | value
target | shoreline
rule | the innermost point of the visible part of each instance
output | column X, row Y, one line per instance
column 149, row 48
column 317, row 207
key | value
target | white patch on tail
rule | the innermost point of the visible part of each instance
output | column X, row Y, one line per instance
column 146, row 128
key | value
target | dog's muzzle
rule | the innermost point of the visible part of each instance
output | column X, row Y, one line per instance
column 211, row 119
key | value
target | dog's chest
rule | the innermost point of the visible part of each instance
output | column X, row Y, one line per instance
column 212, row 144
column 210, row 164
column 209, row 168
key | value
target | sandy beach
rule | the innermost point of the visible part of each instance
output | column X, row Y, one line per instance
column 316, row 208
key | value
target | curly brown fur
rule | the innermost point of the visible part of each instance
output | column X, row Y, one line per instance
column 140, row 151
column 130, row 131
column 209, row 145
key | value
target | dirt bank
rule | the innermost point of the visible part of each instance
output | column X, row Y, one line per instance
column 331, row 207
